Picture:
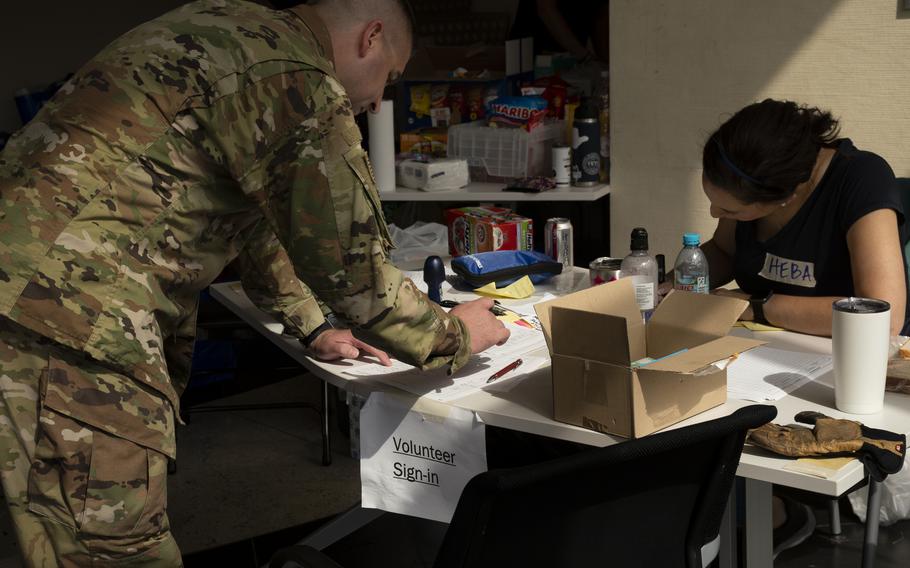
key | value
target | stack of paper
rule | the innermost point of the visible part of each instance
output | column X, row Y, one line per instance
column 438, row 385
column 767, row 374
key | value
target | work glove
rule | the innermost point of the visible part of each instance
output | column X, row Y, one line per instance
column 882, row 452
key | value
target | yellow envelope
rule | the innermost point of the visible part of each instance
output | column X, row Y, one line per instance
column 521, row 288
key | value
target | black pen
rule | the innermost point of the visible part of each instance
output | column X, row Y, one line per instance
column 497, row 309
column 510, row 367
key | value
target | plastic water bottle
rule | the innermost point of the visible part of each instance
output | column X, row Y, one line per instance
column 642, row 268
column 691, row 271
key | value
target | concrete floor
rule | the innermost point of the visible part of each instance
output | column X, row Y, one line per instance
column 251, row 482
column 246, row 474
column 257, row 472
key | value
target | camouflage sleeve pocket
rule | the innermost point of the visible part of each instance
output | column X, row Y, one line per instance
column 101, row 455
column 358, row 161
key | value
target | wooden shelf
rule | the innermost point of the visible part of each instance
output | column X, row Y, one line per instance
column 478, row 191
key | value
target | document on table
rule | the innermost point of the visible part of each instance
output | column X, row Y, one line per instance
column 767, row 374
column 417, row 277
column 438, row 385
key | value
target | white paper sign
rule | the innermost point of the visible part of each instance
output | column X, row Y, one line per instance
column 416, row 460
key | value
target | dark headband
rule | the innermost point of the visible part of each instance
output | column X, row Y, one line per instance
column 732, row 166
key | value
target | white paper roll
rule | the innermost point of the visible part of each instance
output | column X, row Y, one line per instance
column 381, row 128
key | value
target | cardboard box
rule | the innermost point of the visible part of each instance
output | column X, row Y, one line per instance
column 487, row 228
column 594, row 337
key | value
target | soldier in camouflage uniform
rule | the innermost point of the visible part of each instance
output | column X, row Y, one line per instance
column 221, row 129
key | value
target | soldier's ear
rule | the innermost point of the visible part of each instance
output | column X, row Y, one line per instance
column 371, row 38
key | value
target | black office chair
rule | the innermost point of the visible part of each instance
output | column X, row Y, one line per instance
column 871, row 538
column 903, row 186
column 655, row 501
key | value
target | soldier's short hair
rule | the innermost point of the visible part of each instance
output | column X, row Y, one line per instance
column 403, row 8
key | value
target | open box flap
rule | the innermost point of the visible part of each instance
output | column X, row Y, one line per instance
column 703, row 355
column 615, row 299
column 686, row 319
column 592, row 336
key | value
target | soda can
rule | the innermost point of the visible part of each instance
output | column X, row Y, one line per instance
column 604, row 269
column 562, row 165
column 559, row 241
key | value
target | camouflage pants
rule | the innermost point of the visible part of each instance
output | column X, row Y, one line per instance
column 83, row 458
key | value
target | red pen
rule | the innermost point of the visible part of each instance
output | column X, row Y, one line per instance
column 510, row 367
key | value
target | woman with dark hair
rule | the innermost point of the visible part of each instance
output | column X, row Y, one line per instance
column 804, row 217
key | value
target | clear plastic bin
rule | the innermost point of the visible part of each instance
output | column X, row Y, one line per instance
column 499, row 154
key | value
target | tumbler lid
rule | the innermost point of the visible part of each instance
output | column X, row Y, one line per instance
column 861, row 306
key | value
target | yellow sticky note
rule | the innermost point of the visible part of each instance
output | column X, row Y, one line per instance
column 521, row 288
column 752, row 326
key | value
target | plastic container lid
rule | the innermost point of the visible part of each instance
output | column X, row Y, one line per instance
column 691, row 240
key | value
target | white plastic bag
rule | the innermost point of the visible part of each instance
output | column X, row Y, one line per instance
column 414, row 244
column 895, row 498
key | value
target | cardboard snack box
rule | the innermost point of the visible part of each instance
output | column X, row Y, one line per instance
column 596, row 338
column 430, row 141
column 487, row 228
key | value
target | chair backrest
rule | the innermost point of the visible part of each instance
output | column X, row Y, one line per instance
column 655, row 501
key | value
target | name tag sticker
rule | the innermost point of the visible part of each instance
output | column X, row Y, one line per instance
column 786, row 271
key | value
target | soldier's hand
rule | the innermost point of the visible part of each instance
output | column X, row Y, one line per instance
column 486, row 331
column 335, row 344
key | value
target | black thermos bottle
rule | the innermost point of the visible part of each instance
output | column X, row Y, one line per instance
column 586, row 144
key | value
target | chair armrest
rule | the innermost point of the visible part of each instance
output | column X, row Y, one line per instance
column 301, row 557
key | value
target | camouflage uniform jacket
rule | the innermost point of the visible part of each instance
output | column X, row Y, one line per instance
column 217, row 124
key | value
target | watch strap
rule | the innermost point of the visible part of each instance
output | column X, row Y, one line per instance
column 757, row 303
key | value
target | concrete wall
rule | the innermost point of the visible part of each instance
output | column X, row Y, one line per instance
column 43, row 42
column 679, row 69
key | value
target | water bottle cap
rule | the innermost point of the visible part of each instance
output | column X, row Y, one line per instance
column 639, row 239
column 691, row 240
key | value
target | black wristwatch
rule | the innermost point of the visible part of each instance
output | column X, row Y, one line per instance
column 757, row 303
column 309, row 339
